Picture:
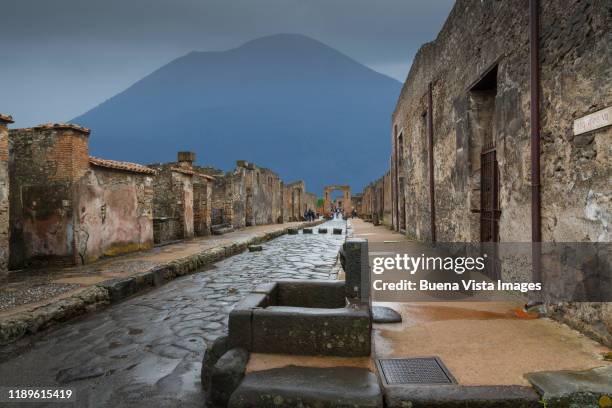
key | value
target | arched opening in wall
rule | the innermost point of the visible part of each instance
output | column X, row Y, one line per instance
column 484, row 167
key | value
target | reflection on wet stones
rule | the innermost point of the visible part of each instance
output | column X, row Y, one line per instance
column 147, row 351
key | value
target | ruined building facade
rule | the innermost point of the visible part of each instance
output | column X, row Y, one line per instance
column 4, row 196
column 375, row 202
column 68, row 208
column 500, row 81
column 181, row 200
column 249, row 195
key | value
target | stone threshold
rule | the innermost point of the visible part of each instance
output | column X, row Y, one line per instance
column 93, row 298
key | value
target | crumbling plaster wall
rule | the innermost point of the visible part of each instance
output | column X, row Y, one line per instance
column 575, row 59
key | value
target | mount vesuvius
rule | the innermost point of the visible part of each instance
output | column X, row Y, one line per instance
column 286, row 102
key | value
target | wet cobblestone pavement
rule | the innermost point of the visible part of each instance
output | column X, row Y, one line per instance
column 147, row 351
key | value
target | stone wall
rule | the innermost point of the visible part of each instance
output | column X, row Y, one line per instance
column 173, row 197
column 376, row 201
column 4, row 196
column 67, row 208
column 115, row 213
column 249, row 195
column 478, row 69
column 294, row 201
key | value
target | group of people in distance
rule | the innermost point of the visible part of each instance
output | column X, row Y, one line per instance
column 309, row 215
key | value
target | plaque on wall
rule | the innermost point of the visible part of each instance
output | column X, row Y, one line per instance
column 594, row 121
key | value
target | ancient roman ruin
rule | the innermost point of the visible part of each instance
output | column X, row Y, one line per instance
column 213, row 288
column 69, row 208
column 511, row 145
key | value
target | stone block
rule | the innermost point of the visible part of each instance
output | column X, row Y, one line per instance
column 292, row 231
column 226, row 376
column 310, row 293
column 307, row 231
column 322, row 230
column 255, row 248
column 357, row 269
column 309, row 387
column 341, row 332
column 337, row 231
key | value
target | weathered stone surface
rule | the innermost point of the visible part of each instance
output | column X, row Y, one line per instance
column 311, row 331
column 227, row 375
column 337, row 231
column 212, row 354
column 322, row 230
column 308, row 387
column 292, row 231
column 310, row 293
column 255, row 248
column 383, row 314
column 151, row 346
column 458, row 396
column 573, row 389
column 307, row 231
column 66, row 200
column 114, row 290
column 79, row 373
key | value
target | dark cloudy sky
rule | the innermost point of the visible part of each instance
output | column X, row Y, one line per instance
column 62, row 57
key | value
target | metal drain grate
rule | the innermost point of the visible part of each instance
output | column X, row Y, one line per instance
column 422, row 370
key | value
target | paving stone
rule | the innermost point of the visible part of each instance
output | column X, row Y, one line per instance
column 574, row 388
column 383, row 314
column 294, row 386
column 169, row 316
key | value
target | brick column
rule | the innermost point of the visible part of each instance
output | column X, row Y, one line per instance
column 4, row 196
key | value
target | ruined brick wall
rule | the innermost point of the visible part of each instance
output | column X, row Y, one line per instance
column 293, row 201
column 386, row 200
column 44, row 163
column 4, row 196
column 172, row 203
column 221, row 211
column 478, row 68
column 263, row 194
column 115, row 212
column 202, row 204
column 357, row 202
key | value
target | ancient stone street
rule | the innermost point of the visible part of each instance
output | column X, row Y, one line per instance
column 147, row 351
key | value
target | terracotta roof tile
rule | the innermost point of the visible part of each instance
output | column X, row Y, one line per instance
column 6, row 118
column 118, row 165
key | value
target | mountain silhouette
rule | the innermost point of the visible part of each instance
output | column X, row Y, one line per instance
column 286, row 102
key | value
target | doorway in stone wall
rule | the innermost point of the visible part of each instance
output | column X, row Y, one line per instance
column 485, row 168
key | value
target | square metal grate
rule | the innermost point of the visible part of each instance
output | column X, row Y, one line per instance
column 421, row 370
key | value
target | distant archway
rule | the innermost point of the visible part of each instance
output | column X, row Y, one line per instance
column 347, row 206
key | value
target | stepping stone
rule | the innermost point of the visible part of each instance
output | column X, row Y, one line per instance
column 383, row 314
column 589, row 388
column 322, row 230
column 255, row 248
column 292, row 231
column 307, row 230
column 227, row 375
column 294, row 386
column 337, row 231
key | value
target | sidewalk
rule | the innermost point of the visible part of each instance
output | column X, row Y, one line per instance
column 482, row 343
column 35, row 299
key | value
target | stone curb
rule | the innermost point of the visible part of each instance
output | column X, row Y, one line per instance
column 100, row 295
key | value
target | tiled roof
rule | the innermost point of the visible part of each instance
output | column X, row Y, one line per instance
column 63, row 126
column 118, row 165
column 6, row 118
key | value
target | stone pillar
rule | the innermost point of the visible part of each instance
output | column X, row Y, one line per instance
column 4, row 196
column 357, row 270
